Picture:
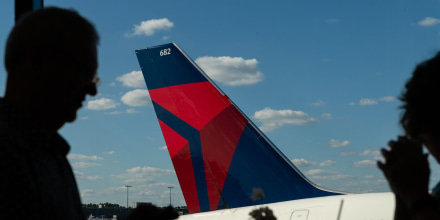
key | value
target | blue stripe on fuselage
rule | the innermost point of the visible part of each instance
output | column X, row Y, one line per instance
column 192, row 135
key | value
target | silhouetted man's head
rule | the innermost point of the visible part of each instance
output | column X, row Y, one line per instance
column 420, row 110
column 51, row 60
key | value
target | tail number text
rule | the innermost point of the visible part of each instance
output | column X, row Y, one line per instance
column 165, row 52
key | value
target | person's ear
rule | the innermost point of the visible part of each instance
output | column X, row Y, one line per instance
column 45, row 64
column 32, row 65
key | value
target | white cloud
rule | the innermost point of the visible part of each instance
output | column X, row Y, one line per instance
column 274, row 119
column 326, row 116
column 150, row 171
column 231, row 71
column 84, row 118
column 333, row 143
column 369, row 153
column 387, row 99
column 344, row 154
column 137, row 97
column 139, row 180
column 375, row 154
column 362, row 185
column 81, row 164
column 90, row 178
column 302, row 162
column 142, row 174
column 109, row 152
column 150, row 27
column 327, row 163
column 163, row 148
column 365, row 163
column 165, row 37
column 82, row 157
column 368, row 102
column 133, row 79
column 101, row 104
column 332, row 177
column 363, row 102
column 88, row 193
column 318, row 103
column 128, row 111
column 113, row 113
column 318, row 174
column 429, row 21
column 81, row 176
column 131, row 111
column 103, row 194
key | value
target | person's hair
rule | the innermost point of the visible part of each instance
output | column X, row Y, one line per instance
column 51, row 29
column 420, row 107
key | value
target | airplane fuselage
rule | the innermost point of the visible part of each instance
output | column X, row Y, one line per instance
column 370, row 206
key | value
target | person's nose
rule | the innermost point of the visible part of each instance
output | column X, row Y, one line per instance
column 93, row 86
column 91, row 89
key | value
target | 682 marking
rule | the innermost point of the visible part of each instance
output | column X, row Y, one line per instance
column 165, row 52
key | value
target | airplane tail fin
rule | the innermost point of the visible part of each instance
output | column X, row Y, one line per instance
column 219, row 155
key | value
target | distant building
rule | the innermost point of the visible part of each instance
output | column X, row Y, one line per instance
column 183, row 211
column 136, row 204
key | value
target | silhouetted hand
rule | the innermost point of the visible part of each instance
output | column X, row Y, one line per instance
column 407, row 170
column 263, row 213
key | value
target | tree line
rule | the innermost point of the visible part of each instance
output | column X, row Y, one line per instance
column 108, row 205
column 105, row 205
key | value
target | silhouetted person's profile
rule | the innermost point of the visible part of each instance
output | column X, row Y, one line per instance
column 406, row 166
column 51, row 63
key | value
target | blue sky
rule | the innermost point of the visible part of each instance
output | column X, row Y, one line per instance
column 320, row 78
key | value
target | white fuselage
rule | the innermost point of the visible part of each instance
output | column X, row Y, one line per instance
column 371, row 206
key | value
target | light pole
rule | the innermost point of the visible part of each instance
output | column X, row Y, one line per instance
column 127, row 194
column 170, row 187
